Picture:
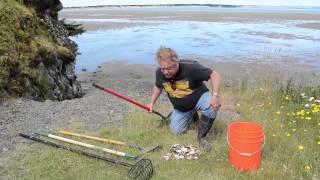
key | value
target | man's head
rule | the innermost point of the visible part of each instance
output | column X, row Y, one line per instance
column 168, row 61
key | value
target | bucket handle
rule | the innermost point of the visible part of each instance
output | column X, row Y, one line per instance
column 247, row 154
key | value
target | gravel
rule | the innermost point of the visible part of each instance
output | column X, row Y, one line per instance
column 94, row 111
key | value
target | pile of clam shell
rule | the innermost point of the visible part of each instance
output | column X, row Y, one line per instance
column 178, row 152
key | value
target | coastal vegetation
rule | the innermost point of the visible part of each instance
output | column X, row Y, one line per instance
column 289, row 114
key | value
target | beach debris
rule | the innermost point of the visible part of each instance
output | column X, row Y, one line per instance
column 179, row 152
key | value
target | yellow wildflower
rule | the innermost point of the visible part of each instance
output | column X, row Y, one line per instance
column 287, row 97
column 300, row 147
column 275, row 136
column 288, row 135
column 308, row 118
column 278, row 112
column 315, row 110
column 307, row 168
column 294, row 130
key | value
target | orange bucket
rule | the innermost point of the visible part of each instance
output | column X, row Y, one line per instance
column 246, row 140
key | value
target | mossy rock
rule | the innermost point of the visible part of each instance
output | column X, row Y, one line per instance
column 26, row 42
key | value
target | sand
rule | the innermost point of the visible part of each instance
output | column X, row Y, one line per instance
column 116, row 14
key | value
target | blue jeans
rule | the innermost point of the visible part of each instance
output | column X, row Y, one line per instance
column 181, row 120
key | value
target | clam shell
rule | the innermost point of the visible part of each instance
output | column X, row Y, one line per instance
column 178, row 152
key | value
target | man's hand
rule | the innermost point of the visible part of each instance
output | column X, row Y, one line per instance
column 215, row 82
column 215, row 102
column 150, row 106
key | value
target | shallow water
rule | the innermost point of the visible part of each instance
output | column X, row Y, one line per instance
column 244, row 9
column 264, row 42
column 260, row 9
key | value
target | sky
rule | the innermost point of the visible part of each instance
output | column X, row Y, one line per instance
column 70, row 3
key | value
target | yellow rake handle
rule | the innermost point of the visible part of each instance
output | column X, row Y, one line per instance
column 93, row 138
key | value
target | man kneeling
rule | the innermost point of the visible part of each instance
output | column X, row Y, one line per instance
column 184, row 83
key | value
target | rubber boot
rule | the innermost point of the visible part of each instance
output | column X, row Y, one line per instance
column 195, row 117
column 204, row 127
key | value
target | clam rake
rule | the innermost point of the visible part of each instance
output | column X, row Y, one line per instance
column 141, row 170
column 112, row 92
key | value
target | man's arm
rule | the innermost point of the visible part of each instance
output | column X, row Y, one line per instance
column 215, row 82
column 154, row 96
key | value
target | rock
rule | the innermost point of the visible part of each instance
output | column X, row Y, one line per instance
column 50, row 72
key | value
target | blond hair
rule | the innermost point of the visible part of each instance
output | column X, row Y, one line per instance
column 167, row 53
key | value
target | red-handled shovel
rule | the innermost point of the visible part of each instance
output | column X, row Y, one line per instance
column 110, row 91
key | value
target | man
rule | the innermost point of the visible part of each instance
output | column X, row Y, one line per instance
column 183, row 82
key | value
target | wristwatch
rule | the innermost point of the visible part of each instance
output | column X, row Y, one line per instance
column 216, row 94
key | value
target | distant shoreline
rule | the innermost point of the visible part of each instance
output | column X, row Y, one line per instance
column 160, row 5
column 186, row 5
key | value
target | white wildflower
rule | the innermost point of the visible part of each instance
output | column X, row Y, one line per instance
column 311, row 98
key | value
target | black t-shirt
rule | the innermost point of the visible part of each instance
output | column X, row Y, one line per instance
column 185, row 89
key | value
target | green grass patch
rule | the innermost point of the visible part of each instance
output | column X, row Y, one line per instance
column 291, row 148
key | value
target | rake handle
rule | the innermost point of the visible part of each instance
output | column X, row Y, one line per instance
column 93, row 138
column 101, row 139
column 127, row 155
column 75, row 150
column 110, row 91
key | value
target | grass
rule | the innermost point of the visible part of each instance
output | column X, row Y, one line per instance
column 291, row 150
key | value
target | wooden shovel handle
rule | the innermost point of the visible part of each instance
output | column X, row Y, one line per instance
column 93, row 138
column 91, row 146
